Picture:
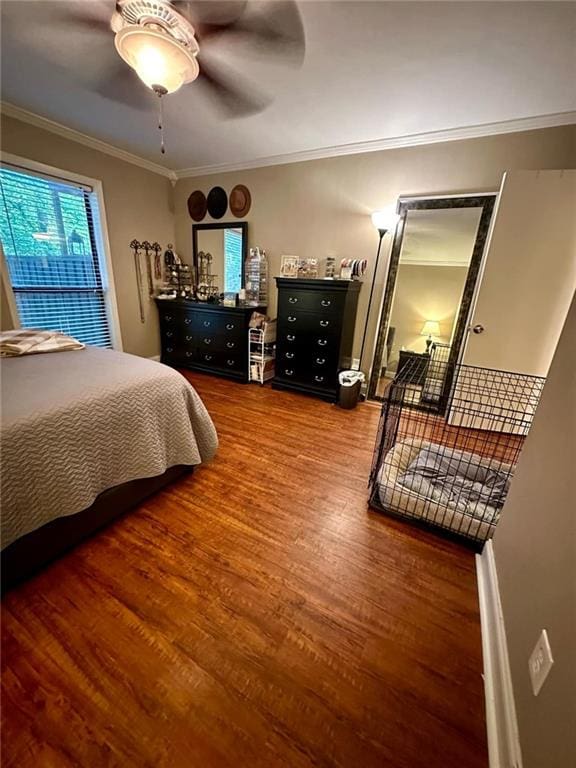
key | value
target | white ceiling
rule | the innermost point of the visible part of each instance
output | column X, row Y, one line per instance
column 440, row 237
column 373, row 71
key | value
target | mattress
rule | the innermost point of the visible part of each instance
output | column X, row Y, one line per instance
column 477, row 521
column 77, row 423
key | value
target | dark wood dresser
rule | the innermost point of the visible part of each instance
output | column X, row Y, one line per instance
column 205, row 337
column 316, row 321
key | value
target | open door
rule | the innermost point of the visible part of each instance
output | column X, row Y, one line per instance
column 529, row 275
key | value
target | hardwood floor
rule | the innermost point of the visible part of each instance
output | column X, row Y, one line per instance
column 254, row 614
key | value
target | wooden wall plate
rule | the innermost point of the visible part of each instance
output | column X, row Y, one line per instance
column 240, row 201
column 197, row 205
column 217, row 202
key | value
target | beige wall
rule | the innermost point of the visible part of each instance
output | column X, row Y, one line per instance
column 425, row 293
column 317, row 208
column 138, row 205
column 535, row 551
column 323, row 207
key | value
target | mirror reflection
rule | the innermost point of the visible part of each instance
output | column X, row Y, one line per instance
column 219, row 254
column 435, row 257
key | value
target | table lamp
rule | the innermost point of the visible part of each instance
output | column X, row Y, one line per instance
column 430, row 328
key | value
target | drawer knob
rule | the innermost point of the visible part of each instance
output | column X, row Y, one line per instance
column 207, row 358
column 230, row 362
column 290, row 337
column 207, row 341
column 292, row 299
column 326, row 302
column 319, row 378
column 207, row 323
column 289, row 372
column 189, row 354
column 230, row 326
column 324, row 323
column 289, row 355
column 322, row 342
column 169, row 333
column 320, row 360
column 169, row 349
column 230, row 344
column 189, row 338
column 187, row 320
column 291, row 319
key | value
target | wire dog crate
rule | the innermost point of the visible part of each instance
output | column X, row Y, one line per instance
column 448, row 443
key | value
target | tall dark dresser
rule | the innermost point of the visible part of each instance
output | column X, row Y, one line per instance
column 315, row 333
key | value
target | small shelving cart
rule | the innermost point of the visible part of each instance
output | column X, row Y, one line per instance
column 262, row 352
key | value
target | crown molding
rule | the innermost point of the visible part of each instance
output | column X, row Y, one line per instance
column 11, row 110
column 397, row 142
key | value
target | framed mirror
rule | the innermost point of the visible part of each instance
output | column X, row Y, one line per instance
column 434, row 267
column 227, row 246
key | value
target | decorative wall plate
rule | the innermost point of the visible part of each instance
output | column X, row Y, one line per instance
column 197, row 205
column 240, row 201
column 217, row 202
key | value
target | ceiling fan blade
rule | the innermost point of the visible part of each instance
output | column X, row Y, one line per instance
column 231, row 99
column 214, row 12
column 122, row 84
column 275, row 26
column 92, row 16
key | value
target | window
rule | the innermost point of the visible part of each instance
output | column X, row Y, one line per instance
column 232, row 260
column 49, row 228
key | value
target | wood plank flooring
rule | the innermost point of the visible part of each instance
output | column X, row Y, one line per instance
column 254, row 614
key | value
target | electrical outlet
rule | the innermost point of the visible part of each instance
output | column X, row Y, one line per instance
column 356, row 364
column 540, row 662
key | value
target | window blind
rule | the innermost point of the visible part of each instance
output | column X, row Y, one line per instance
column 232, row 260
column 47, row 228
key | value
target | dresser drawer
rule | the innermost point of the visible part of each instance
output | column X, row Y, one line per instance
column 213, row 324
column 226, row 361
column 312, row 322
column 324, row 302
column 211, row 342
column 318, row 362
column 313, row 341
column 174, row 352
column 303, row 374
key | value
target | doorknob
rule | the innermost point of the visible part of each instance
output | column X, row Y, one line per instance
column 478, row 328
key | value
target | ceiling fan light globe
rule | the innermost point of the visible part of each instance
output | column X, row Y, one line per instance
column 158, row 59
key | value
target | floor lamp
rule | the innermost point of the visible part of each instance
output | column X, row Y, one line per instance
column 384, row 221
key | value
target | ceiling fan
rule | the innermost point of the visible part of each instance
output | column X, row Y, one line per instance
column 168, row 44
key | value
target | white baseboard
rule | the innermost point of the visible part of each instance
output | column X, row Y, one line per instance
column 156, row 358
column 501, row 724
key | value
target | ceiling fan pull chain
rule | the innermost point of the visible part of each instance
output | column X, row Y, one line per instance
column 161, row 124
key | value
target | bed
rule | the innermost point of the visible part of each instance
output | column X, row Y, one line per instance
column 87, row 434
column 437, row 484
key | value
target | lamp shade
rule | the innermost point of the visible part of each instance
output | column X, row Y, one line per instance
column 159, row 60
column 385, row 220
column 430, row 328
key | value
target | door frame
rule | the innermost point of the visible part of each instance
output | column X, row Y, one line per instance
column 487, row 202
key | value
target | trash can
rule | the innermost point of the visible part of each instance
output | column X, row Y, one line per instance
column 350, row 385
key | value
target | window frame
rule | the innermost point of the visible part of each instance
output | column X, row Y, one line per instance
column 102, row 241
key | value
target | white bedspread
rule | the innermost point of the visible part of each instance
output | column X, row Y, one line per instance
column 75, row 424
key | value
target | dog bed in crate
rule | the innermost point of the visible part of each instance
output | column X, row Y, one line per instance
column 456, row 490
